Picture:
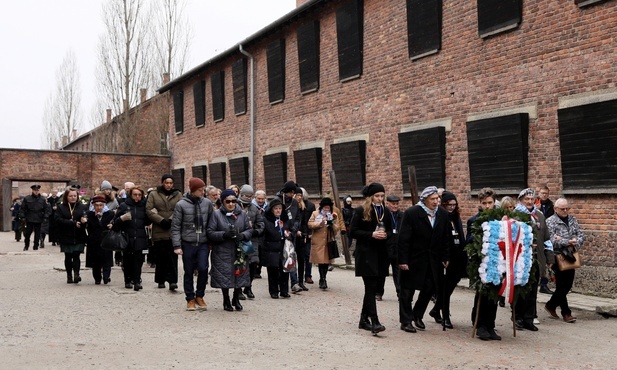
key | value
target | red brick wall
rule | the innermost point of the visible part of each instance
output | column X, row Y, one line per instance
column 88, row 169
column 558, row 51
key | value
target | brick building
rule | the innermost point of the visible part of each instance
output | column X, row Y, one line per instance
column 500, row 93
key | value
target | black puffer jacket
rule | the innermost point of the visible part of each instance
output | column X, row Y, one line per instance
column 34, row 209
column 135, row 228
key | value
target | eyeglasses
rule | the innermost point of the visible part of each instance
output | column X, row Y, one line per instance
column 563, row 209
column 230, row 201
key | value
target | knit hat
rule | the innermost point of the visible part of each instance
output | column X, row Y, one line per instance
column 372, row 189
column 165, row 177
column 98, row 199
column 227, row 193
column 195, row 184
column 273, row 203
column 446, row 196
column 246, row 189
column 105, row 185
column 527, row 192
column 326, row 202
column 427, row 192
column 289, row 186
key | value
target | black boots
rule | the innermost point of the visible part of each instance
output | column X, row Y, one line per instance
column 236, row 300
column 323, row 284
column 435, row 314
column 376, row 326
column 69, row 277
column 226, row 302
column 365, row 323
column 249, row 292
column 77, row 278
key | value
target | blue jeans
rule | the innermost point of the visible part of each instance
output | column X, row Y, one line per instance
column 195, row 257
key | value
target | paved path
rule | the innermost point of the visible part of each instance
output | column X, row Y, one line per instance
column 48, row 324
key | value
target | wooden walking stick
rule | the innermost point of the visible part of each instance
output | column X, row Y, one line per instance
column 475, row 322
column 514, row 319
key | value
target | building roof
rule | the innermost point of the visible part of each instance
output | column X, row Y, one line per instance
column 269, row 29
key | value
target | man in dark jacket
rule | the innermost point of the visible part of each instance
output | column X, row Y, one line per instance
column 34, row 210
column 292, row 217
column 160, row 209
column 188, row 236
column 423, row 253
column 392, row 202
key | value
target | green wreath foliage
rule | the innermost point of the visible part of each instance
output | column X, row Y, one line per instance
column 474, row 251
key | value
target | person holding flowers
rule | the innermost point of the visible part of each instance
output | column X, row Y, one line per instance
column 228, row 227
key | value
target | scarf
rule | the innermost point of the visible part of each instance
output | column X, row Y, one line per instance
column 198, row 220
column 261, row 208
column 431, row 214
column 548, row 245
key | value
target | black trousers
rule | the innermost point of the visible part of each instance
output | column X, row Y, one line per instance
column 278, row 280
column 446, row 288
column 301, row 256
column 488, row 311
column 36, row 227
column 395, row 278
column 525, row 307
column 132, row 262
column 371, row 284
column 405, row 299
column 565, row 280
column 166, row 261
column 426, row 293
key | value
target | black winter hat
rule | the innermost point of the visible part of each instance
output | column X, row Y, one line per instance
column 372, row 189
column 446, row 196
column 289, row 186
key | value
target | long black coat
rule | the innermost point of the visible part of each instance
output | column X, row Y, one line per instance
column 68, row 232
column 96, row 231
column 422, row 247
column 371, row 254
column 274, row 242
column 135, row 228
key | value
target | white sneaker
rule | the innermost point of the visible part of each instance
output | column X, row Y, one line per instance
column 536, row 321
column 296, row 288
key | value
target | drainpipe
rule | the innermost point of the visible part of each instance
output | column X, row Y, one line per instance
column 252, row 117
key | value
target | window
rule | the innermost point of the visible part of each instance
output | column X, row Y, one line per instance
column 349, row 35
column 218, row 96
column 498, row 151
column 275, row 171
column 495, row 16
column 583, row 3
column 199, row 100
column 218, row 175
column 308, row 56
column 349, row 165
column 426, row 151
column 588, row 144
column 239, row 170
column 423, row 27
column 308, row 167
column 201, row 172
column 238, row 77
column 179, row 111
column 178, row 175
column 275, row 53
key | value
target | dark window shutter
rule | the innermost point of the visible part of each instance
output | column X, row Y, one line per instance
column 201, row 172
column 423, row 27
column 498, row 150
column 426, row 150
column 199, row 100
column 349, row 36
column 275, row 52
column 308, row 165
column 179, row 111
column 583, row 3
column 178, row 176
column 349, row 165
column 238, row 77
column 239, row 170
column 588, row 144
column 218, row 175
column 275, row 171
column 308, row 56
column 496, row 16
column 218, row 96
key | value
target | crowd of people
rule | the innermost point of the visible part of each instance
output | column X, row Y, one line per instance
column 225, row 237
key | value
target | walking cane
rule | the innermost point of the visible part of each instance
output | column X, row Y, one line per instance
column 514, row 318
column 475, row 322
column 443, row 304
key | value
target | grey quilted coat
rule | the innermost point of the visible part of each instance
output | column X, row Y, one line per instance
column 223, row 252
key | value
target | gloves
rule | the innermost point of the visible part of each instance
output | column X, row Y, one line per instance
column 255, row 233
column 230, row 234
column 126, row 217
column 166, row 224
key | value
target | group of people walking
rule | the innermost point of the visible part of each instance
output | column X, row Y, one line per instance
column 226, row 237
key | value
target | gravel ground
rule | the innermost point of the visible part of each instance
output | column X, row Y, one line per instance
column 48, row 324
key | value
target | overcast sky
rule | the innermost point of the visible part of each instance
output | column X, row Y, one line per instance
column 35, row 36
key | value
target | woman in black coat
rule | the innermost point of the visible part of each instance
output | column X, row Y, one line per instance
column 70, row 218
column 131, row 217
column 272, row 250
column 99, row 222
column 457, row 268
column 371, row 226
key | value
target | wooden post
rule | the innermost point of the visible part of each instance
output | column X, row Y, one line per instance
column 338, row 205
column 413, row 185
